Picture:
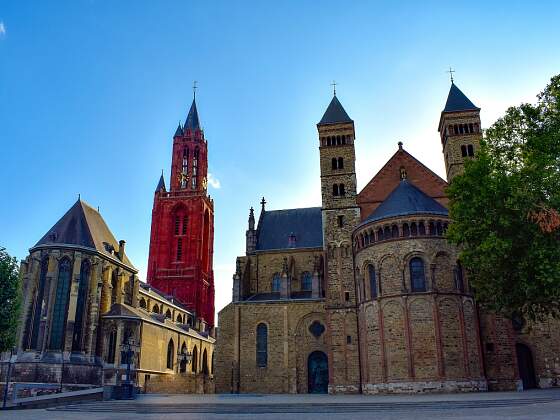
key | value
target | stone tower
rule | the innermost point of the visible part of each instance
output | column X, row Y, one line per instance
column 182, row 235
column 459, row 128
column 340, row 215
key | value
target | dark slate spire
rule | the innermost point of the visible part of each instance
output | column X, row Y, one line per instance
column 406, row 200
column 457, row 101
column 335, row 113
column 161, row 183
column 179, row 131
column 192, row 122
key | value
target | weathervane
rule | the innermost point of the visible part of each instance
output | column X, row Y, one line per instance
column 450, row 71
column 333, row 84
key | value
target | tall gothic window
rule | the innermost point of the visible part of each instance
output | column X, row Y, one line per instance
column 417, row 275
column 81, row 306
column 372, row 281
column 61, row 304
column 177, row 223
column 170, row 354
column 185, row 168
column 112, row 350
column 195, row 169
column 459, row 283
column 276, row 282
column 39, row 302
column 306, row 281
column 194, row 363
column 262, row 345
column 184, row 227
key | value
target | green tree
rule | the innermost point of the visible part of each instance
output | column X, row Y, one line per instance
column 505, row 211
column 9, row 300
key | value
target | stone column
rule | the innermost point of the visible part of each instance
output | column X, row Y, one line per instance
column 95, row 285
column 236, row 285
column 284, row 286
column 29, row 271
column 135, row 290
column 315, row 286
column 106, row 289
column 121, row 280
column 49, row 296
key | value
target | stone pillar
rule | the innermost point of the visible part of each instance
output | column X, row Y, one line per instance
column 236, row 293
column 135, row 290
column 284, row 286
column 121, row 280
column 73, row 300
column 95, row 285
column 29, row 271
column 315, row 286
column 106, row 289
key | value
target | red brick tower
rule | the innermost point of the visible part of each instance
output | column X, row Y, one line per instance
column 182, row 235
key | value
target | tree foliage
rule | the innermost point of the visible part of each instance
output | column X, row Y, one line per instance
column 506, row 211
column 9, row 300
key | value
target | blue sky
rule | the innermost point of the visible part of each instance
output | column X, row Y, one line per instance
column 91, row 92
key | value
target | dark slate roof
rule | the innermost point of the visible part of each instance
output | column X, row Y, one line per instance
column 179, row 131
column 192, row 122
column 161, row 183
column 404, row 200
column 83, row 225
column 457, row 101
column 275, row 228
column 335, row 113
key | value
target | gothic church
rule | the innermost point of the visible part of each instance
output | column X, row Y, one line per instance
column 365, row 294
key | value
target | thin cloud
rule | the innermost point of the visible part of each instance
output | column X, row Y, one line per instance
column 214, row 182
column 2, row 29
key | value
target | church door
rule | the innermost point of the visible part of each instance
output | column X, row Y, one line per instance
column 317, row 373
column 525, row 365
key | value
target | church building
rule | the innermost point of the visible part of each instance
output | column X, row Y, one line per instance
column 364, row 294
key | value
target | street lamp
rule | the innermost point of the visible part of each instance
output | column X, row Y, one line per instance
column 185, row 357
column 129, row 349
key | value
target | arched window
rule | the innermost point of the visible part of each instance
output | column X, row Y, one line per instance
column 417, row 275
column 406, row 230
column 61, row 304
column 81, row 306
column 366, row 239
column 471, row 128
column 205, row 362
column 143, row 303
column 432, row 228
column 413, row 229
column 340, row 163
column 395, row 231
column 185, row 168
column 371, row 237
column 461, row 129
column 380, row 234
column 456, row 129
column 341, row 189
column 335, row 190
column 421, row 228
column 470, row 150
column 276, row 280
column 439, row 228
column 194, row 363
column 170, row 354
column 372, row 282
column 179, row 319
column 212, row 364
column 112, row 349
column 463, row 150
column 155, row 309
column 39, row 298
column 459, row 284
column 387, row 232
column 334, row 163
column 306, row 281
column 195, row 169
column 338, row 140
column 168, row 314
column 183, row 364
column 262, row 345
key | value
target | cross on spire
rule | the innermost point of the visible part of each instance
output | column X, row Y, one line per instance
column 333, row 84
column 194, row 88
column 263, row 202
column 450, row 71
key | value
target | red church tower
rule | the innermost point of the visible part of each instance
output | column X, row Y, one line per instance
column 182, row 235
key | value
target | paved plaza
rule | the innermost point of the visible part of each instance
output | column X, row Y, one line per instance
column 537, row 404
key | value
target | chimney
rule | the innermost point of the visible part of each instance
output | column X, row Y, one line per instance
column 121, row 249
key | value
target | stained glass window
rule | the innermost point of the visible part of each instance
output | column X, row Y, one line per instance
column 81, row 306
column 262, row 345
column 60, row 304
column 372, row 282
column 417, row 275
column 39, row 303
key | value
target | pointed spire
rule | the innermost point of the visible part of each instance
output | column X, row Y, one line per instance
column 458, row 101
column 179, row 131
column 161, row 183
column 192, row 123
column 251, row 219
column 335, row 113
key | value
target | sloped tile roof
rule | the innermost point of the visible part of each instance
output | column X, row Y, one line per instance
column 458, row 101
column 275, row 228
column 335, row 113
column 192, row 123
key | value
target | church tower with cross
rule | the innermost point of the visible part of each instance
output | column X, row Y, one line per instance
column 182, row 233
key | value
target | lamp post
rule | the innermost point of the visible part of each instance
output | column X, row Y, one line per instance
column 129, row 349
column 184, row 357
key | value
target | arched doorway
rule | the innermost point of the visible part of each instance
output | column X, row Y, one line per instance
column 317, row 373
column 525, row 365
column 205, row 362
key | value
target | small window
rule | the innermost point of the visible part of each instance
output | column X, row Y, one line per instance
column 372, row 282
column 340, row 163
column 306, row 281
column 262, row 345
column 413, row 229
column 334, row 163
column 470, row 150
column 417, row 275
column 395, row 231
column 276, row 282
column 471, row 128
column 143, row 303
column 489, row 347
column 463, row 150
column 380, row 234
column 155, row 309
column 335, row 191
column 348, row 339
column 406, row 230
column 347, row 296
column 341, row 189
column 168, row 314
column 387, row 232
column 421, row 229
column 340, row 220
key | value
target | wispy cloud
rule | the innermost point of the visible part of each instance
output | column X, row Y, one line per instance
column 2, row 29
column 214, row 182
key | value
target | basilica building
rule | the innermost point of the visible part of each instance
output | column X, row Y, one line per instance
column 364, row 294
